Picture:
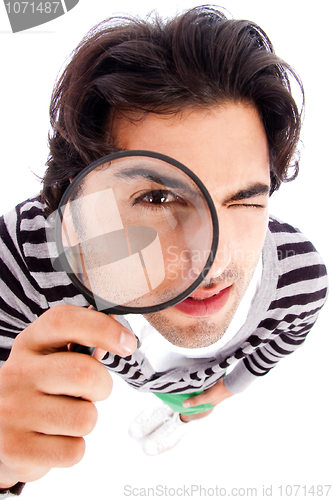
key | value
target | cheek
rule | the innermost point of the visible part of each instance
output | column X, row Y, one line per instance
column 247, row 230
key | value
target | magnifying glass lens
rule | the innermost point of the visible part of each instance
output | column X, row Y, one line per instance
column 136, row 232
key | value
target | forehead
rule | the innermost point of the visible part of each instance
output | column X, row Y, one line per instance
column 226, row 146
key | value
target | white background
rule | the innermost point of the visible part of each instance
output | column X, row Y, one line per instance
column 277, row 433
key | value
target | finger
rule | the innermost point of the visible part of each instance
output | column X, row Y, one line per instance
column 195, row 416
column 213, row 395
column 201, row 399
column 60, row 416
column 72, row 374
column 66, row 324
column 99, row 354
column 34, row 451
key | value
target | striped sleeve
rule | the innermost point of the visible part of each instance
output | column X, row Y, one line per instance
column 300, row 294
column 19, row 304
column 28, row 283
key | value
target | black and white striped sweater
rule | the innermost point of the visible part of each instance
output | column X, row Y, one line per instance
column 293, row 290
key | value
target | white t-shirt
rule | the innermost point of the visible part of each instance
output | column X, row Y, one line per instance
column 163, row 355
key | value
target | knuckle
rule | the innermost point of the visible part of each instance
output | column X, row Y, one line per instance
column 85, row 418
column 13, row 449
column 56, row 316
column 6, row 447
column 84, row 371
column 17, row 344
column 91, row 377
column 7, row 412
column 8, row 375
column 73, row 452
column 108, row 386
column 17, row 378
column 12, row 410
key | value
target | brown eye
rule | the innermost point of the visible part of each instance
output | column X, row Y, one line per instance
column 157, row 197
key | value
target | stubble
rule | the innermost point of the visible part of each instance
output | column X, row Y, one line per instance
column 196, row 332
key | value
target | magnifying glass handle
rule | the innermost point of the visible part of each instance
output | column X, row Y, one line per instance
column 84, row 349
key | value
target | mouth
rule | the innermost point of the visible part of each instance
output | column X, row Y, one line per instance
column 203, row 303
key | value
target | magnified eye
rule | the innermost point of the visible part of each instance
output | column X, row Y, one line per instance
column 158, row 197
column 123, row 227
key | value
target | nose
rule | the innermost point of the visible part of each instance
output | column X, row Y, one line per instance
column 223, row 255
column 221, row 261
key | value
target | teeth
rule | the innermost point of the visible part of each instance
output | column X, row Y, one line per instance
column 197, row 298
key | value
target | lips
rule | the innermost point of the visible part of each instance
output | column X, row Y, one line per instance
column 204, row 303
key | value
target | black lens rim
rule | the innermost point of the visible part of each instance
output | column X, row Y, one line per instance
column 99, row 302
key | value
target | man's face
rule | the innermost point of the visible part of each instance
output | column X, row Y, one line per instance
column 226, row 147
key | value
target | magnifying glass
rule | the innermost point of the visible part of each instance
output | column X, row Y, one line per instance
column 136, row 232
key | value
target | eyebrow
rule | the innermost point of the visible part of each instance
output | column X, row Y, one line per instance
column 250, row 192
column 163, row 180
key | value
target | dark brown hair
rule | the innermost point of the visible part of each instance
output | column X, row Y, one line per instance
column 197, row 59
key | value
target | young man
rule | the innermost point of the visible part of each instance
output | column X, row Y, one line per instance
column 210, row 93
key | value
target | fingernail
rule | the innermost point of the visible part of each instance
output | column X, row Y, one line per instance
column 128, row 342
column 186, row 405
